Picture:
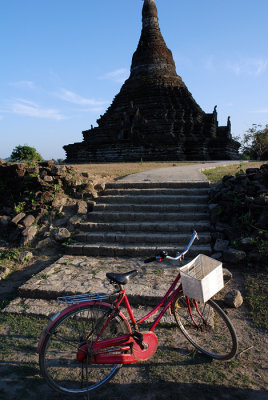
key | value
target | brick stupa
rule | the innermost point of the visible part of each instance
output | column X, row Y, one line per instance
column 154, row 116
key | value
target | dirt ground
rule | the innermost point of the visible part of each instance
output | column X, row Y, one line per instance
column 176, row 371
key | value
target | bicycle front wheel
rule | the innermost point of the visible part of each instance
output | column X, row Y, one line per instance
column 206, row 327
column 58, row 358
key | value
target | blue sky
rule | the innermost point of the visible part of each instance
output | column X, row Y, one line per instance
column 63, row 61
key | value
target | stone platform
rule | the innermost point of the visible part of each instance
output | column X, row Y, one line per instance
column 76, row 275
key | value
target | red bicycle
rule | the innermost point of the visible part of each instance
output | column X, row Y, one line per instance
column 85, row 345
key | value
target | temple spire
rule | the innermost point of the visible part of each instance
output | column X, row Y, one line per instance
column 152, row 55
column 149, row 13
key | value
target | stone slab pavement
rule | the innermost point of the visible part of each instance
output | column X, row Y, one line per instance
column 77, row 275
column 188, row 173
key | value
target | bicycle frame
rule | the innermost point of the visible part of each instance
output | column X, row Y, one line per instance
column 166, row 301
column 106, row 351
column 141, row 345
column 103, row 351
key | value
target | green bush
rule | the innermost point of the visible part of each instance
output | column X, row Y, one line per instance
column 25, row 153
column 255, row 143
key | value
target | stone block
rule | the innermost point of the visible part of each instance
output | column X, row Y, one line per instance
column 25, row 256
column 99, row 187
column 4, row 271
column 234, row 298
column 48, row 178
column 81, row 207
column 58, row 170
column 234, row 256
column 221, row 245
column 227, row 275
column 28, row 234
column 61, row 234
column 18, row 218
column 45, row 243
column 28, row 220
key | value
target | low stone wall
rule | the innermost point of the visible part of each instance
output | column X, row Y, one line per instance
column 32, row 196
column 239, row 217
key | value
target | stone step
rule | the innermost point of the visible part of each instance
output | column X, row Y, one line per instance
column 202, row 199
column 99, row 216
column 138, row 237
column 153, row 185
column 161, row 208
column 171, row 226
column 156, row 192
column 138, row 250
column 48, row 308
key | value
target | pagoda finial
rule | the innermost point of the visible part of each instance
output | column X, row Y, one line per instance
column 152, row 55
column 149, row 10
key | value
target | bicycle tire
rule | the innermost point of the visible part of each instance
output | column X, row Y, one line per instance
column 58, row 358
column 213, row 334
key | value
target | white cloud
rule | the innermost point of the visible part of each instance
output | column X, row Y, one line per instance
column 28, row 102
column 23, row 84
column 249, row 66
column 74, row 98
column 119, row 75
column 238, row 65
column 31, row 109
column 262, row 111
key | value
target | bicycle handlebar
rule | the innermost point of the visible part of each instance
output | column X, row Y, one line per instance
column 162, row 255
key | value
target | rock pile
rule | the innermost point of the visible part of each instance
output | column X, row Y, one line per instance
column 239, row 217
column 32, row 196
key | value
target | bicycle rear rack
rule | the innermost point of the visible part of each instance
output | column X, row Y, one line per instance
column 79, row 298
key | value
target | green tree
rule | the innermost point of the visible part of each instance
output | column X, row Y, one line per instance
column 25, row 153
column 255, row 142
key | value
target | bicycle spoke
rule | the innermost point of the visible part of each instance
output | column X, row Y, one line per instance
column 206, row 327
column 58, row 360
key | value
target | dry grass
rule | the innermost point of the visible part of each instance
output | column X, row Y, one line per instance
column 111, row 171
column 216, row 174
column 119, row 170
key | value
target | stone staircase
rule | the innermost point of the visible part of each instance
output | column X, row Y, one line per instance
column 129, row 222
column 139, row 219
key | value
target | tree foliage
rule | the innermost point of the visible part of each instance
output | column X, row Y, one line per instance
column 255, row 142
column 25, row 153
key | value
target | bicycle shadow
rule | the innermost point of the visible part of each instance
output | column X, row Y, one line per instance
column 21, row 378
column 178, row 391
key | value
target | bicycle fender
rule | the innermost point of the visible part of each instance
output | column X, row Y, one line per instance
column 49, row 328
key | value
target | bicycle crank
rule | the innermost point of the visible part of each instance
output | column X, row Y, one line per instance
column 146, row 350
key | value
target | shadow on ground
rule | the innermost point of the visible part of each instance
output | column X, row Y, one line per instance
column 23, row 381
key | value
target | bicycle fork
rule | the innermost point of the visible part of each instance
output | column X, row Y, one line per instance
column 198, row 311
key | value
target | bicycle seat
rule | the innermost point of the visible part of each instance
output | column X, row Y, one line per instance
column 121, row 279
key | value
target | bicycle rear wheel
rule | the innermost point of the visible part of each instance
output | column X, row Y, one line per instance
column 58, row 358
column 208, row 329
